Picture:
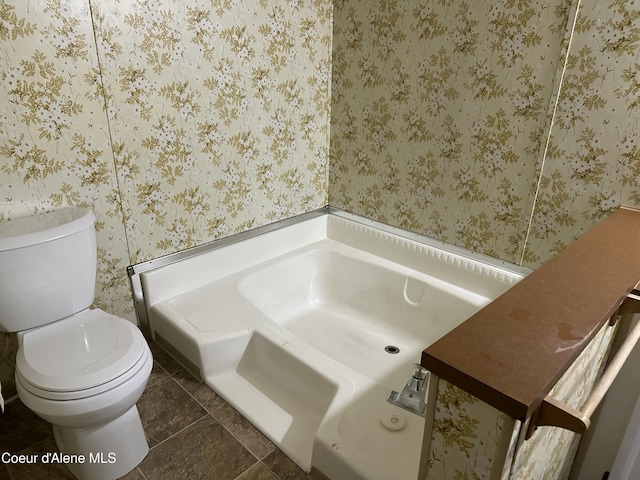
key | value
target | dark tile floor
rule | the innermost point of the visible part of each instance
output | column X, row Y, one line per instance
column 192, row 434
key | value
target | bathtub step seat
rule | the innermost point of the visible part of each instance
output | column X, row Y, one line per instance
column 315, row 411
column 266, row 376
column 273, row 387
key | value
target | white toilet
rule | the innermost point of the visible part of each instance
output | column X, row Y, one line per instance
column 82, row 370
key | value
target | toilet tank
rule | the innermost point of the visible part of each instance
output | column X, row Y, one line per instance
column 47, row 267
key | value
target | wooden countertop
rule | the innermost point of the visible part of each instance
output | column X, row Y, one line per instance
column 512, row 352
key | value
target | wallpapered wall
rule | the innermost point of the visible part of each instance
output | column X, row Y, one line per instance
column 441, row 114
column 446, row 121
column 592, row 163
column 438, row 114
column 176, row 122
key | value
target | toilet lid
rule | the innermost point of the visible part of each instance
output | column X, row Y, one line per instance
column 81, row 352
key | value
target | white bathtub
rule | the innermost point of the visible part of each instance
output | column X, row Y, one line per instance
column 290, row 327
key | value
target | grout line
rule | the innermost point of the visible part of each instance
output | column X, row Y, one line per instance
column 170, row 378
column 140, row 472
column 233, row 435
column 171, row 375
column 210, row 413
column 179, row 431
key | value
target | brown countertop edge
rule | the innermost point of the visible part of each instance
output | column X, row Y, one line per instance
column 512, row 352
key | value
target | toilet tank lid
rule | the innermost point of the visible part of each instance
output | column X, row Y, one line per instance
column 43, row 227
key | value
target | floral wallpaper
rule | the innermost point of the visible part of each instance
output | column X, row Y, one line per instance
column 446, row 119
column 469, row 438
column 176, row 122
column 54, row 138
column 219, row 115
column 592, row 162
column 439, row 112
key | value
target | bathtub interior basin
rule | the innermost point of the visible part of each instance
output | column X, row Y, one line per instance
column 355, row 311
column 307, row 328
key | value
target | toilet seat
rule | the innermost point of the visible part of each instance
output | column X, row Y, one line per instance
column 81, row 356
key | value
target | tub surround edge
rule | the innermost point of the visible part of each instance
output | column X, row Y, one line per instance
column 135, row 272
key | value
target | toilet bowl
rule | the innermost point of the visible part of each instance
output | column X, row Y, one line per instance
column 81, row 369
column 84, row 375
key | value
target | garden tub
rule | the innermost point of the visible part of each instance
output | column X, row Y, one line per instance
column 307, row 326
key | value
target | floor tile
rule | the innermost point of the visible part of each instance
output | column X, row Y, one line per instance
column 163, row 359
column 248, row 435
column 186, row 441
column 21, row 428
column 158, row 374
column 258, row 472
column 133, row 475
column 209, row 399
column 284, row 467
column 165, row 409
column 203, row 451
column 39, row 470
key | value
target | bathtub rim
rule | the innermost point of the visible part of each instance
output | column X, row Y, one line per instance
column 135, row 271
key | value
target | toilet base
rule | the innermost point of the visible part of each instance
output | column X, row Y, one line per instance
column 104, row 452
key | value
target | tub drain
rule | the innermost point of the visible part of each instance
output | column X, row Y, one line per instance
column 391, row 349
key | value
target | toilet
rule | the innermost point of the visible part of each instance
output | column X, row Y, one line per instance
column 81, row 369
